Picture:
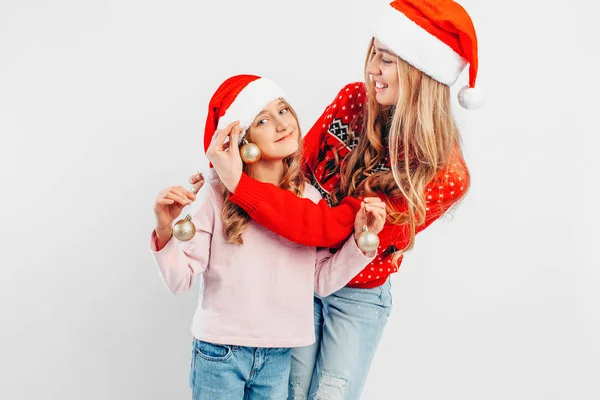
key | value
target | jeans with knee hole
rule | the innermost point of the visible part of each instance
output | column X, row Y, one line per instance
column 348, row 327
column 223, row 372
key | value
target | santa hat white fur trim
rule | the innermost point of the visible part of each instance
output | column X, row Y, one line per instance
column 416, row 46
column 250, row 102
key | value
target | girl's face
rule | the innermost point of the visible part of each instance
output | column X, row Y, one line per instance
column 383, row 71
column 275, row 131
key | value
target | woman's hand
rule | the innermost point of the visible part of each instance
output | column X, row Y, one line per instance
column 225, row 157
column 372, row 214
column 197, row 181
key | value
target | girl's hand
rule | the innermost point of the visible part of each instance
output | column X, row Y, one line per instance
column 168, row 206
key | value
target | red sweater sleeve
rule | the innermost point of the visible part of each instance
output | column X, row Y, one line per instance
column 294, row 218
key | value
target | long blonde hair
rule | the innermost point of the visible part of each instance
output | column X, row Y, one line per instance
column 421, row 135
column 235, row 218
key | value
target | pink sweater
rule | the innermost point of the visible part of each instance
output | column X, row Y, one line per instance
column 259, row 294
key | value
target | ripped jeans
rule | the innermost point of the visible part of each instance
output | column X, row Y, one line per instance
column 348, row 326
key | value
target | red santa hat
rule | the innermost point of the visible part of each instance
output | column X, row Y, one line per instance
column 239, row 98
column 436, row 37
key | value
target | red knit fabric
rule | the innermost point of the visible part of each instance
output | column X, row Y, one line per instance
column 294, row 218
column 302, row 221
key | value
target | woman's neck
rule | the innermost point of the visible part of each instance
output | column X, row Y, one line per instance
column 270, row 171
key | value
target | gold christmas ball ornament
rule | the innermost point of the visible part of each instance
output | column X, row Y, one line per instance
column 184, row 229
column 250, row 153
column 368, row 241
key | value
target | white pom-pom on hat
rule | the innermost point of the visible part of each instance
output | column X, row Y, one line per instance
column 470, row 98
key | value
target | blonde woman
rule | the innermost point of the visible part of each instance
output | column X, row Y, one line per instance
column 257, row 298
column 394, row 137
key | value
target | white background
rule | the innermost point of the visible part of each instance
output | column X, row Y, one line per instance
column 103, row 103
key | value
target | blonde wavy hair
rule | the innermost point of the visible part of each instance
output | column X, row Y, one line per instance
column 421, row 135
column 235, row 219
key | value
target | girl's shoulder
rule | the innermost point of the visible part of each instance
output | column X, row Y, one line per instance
column 310, row 192
column 211, row 177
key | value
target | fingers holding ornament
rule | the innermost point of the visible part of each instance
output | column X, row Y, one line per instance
column 370, row 225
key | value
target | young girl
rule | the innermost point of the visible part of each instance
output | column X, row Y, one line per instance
column 393, row 136
column 256, row 301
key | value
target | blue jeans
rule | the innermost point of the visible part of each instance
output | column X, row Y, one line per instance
column 348, row 326
column 223, row 372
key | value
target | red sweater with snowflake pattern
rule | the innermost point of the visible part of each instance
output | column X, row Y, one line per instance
column 313, row 224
